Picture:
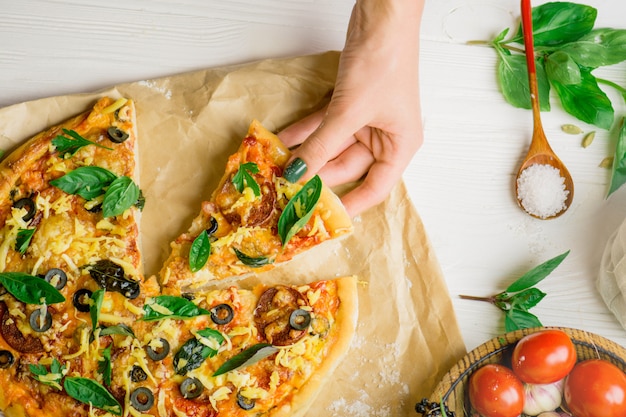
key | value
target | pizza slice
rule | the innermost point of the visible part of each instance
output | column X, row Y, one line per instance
column 236, row 352
column 254, row 220
column 70, row 265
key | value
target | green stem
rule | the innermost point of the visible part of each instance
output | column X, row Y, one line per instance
column 618, row 87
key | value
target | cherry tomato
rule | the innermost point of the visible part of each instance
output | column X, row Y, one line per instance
column 543, row 357
column 495, row 391
column 596, row 388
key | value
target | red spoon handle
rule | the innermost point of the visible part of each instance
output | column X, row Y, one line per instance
column 527, row 29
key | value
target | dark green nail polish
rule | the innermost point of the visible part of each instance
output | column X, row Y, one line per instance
column 295, row 170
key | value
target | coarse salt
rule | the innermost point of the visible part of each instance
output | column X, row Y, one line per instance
column 541, row 190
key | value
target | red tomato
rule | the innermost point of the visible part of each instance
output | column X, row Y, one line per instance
column 543, row 357
column 596, row 388
column 495, row 391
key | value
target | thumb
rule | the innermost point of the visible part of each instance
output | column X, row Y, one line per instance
column 324, row 144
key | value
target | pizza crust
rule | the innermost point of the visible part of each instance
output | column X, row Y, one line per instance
column 346, row 320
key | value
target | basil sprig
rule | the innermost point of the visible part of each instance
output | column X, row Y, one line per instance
column 569, row 49
column 199, row 251
column 180, row 308
column 56, row 369
column 90, row 392
column 97, row 297
column 90, row 182
column 299, row 209
column 69, row 146
column 618, row 170
column 104, row 366
column 521, row 296
column 24, row 236
column 246, row 358
column 194, row 352
column 243, row 178
column 30, row 289
column 251, row 261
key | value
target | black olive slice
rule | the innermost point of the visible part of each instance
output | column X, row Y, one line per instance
column 6, row 359
column 58, row 276
column 300, row 319
column 212, row 227
column 116, row 134
column 29, row 205
column 158, row 354
column 37, row 323
column 222, row 314
column 191, row 388
column 137, row 374
column 81, row 300
column 142, row 399
column 245, row 403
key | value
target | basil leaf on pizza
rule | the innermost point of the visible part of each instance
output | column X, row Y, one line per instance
column 195, row 351
column 121, row 194
column 22, row 241
column 51, row 378
column 199, row 252
column 247, row 357
column 88, row 182
column 299, row 209
column 243, row 178
column 171, row 307
column 104, row 366
column 69, row 146
column 30, row 289
column 90, row 392
column 254, row 262
column 119, row 329
column 94, row 307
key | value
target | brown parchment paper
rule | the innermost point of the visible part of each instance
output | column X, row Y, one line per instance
column 407, row 335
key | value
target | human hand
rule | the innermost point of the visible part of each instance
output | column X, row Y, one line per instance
column 372, row 124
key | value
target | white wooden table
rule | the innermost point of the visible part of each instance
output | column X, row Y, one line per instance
column 461, row 181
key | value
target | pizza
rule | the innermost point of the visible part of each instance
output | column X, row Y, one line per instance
column 84, row 333
column 254, row 220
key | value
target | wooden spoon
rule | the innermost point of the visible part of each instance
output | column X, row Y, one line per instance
column 540, row 151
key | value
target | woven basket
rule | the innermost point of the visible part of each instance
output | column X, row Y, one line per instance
column 451, row 389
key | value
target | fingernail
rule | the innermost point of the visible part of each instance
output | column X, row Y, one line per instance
column 295, row 170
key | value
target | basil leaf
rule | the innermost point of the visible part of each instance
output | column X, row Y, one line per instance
column 598, row 48
column 246, row 358
column 69, row 146
column 199, row 251
column 23, row 239
column 178, row 307
column 56, row 369
column 87, row 182
column 299, row 209
column 513, row 80
column 94, row 309
column 30, row 289
column 520, row 319
column 194, row 352
column 243, row 178
column 104, row 366
column 527, row 299
column 121, row 329
column 90, row 392
column 618, row 171
column 250, row 261
column 120, row 196
column 557, row 23
column 586, row 101
column 536, row 274
column 562, row 68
